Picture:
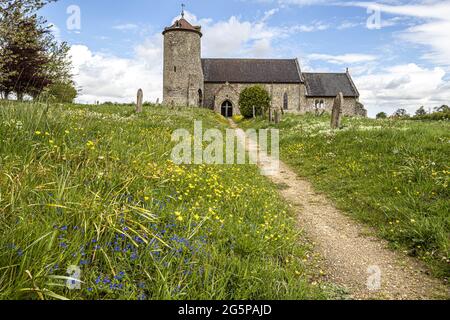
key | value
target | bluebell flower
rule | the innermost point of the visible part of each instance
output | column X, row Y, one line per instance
column 120, row 276
column 142, row 297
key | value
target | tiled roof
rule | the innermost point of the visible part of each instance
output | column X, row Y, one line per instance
column 183, row 25
column 251, row 70
column 329, row 85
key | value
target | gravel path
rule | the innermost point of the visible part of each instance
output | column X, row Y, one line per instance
column 361, row 263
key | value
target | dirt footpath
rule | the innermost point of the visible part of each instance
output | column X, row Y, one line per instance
column 361, row 263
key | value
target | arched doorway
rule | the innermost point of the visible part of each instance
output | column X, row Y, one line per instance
column 200, row 98
column 227, row 109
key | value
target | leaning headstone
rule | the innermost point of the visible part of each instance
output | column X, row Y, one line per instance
column 336, row 115
column 140, row 99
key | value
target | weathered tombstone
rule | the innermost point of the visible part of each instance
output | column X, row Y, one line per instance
column 277, row 117
column 336, row 115
column 140, row 99
column 157, row 102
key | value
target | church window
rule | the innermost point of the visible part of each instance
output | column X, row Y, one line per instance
column 285, row 101
column 175, row 69
column 200, row 98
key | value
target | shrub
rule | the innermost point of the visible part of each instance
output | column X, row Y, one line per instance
column 421, row 111
column 60, row 92
column 382, row 115
column 435, row 116
column 255, row 96
column 401, row 113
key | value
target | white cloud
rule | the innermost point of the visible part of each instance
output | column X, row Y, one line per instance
column 313, row 27
column 343, row 59
column 432, row 31
column 126, row 27
column 347, row 25
column 270, row 13
column 234, row 38
column 303, row 2
column 109, row 78
column 406, row 86
column 237, row 38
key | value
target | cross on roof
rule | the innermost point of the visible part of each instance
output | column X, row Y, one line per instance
column 182, row 9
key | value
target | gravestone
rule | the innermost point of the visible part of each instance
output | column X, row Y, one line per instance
column 277, row 117
column 140, row 99
column 336, row 115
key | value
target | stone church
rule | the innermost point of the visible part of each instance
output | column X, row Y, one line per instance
column 190, row 80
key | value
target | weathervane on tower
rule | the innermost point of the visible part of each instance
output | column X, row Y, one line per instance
column 182, row 10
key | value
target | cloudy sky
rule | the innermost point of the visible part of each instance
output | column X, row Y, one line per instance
column 398, row 52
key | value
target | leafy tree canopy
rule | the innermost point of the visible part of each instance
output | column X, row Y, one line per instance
column 255, row 96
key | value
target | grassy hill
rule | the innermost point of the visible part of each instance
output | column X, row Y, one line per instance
column 392, row 175
column 94, row 187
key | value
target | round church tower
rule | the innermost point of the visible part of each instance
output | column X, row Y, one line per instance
column 183, row 74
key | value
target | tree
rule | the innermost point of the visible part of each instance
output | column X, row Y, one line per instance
column 62, row 92
column 255, row 96
column 421, row 111
column 31, row 58
column 382, row 115
column 401, row 113
column 443, row 108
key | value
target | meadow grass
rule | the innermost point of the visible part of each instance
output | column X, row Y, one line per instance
column 391, row 174
column 94, row 187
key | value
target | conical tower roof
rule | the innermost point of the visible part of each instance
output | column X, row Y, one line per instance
column 183, row 25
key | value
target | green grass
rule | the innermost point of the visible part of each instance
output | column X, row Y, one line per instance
column 94, row 187
column 392, row 175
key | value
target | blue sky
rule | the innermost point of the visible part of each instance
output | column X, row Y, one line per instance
column 400, row 61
